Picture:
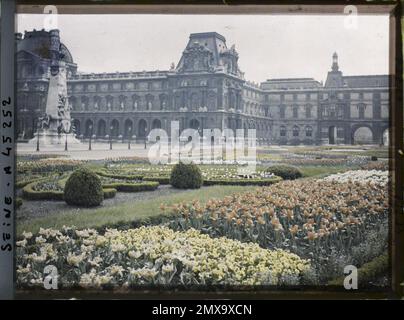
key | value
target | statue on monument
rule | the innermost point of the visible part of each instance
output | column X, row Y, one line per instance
column 57, row 118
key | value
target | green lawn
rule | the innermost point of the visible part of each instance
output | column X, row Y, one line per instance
column 126, row 212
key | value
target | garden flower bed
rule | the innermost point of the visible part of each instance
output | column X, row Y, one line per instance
column 44, row 189
column 212, row 175
column 316, row 219
column 376, row 165
column 24, row 179
column 361, row 176
column 48, row 165
column 151, row 256
column 245, row 181
column 52, row 188
column 128, row 185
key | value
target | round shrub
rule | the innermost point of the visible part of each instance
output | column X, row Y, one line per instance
column 285, row 172
column 83, row 188
column 186, row 176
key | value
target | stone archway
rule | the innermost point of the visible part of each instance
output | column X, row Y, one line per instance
column 362, row 135
column 194, row 124
column 128, row 128
column 156, row 124
column 76, row 127
column 89, row 128
column 142, row 128
column 101, row 128
column 114, row 128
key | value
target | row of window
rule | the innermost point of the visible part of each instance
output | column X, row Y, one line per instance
column 152, row 85
column 118, row 86
column 123, row 102
column 296, row 131
column 295, row 111
column 346, row 96
column 332, row 111
column 252, row 94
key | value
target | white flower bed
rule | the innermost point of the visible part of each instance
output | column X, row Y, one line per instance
column 362, row 176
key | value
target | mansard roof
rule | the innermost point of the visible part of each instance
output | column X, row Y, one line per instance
column 290, row 83
column 37, row 42
column 212, row 41
column 366, row 81
column 119, row 75
column 208, row 51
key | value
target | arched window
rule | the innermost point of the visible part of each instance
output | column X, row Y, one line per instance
column 282, row 131
column 295, row 131
column 309, row 131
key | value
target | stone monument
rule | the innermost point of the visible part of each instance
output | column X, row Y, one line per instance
column 55, row 126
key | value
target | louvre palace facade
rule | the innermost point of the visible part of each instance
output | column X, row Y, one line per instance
column 206, row 89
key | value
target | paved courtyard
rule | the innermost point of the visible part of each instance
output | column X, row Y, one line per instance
column 81, row 151
column 102, row 150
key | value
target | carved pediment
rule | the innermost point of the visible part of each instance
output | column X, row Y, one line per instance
column 197, row 58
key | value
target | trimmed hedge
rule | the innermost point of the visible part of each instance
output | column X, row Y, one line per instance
column 83, row 188
column 30, row 194
column 186, row 176
column 368, row 271
column 159, row 179
column 109, row 193
column 242, row 182
column 23, row 183
column 119, row 176
column 133, row 187
column 285, row 172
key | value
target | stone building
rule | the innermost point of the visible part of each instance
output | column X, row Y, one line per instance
column 206, row 89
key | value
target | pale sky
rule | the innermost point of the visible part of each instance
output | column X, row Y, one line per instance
column 269, row 46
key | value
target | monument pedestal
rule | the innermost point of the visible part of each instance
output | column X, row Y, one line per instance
column 48, row 138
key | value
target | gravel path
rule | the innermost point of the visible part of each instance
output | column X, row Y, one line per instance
column 36, row 209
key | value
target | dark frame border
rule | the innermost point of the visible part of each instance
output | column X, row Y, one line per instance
column 278, row 7
column 7, row 151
